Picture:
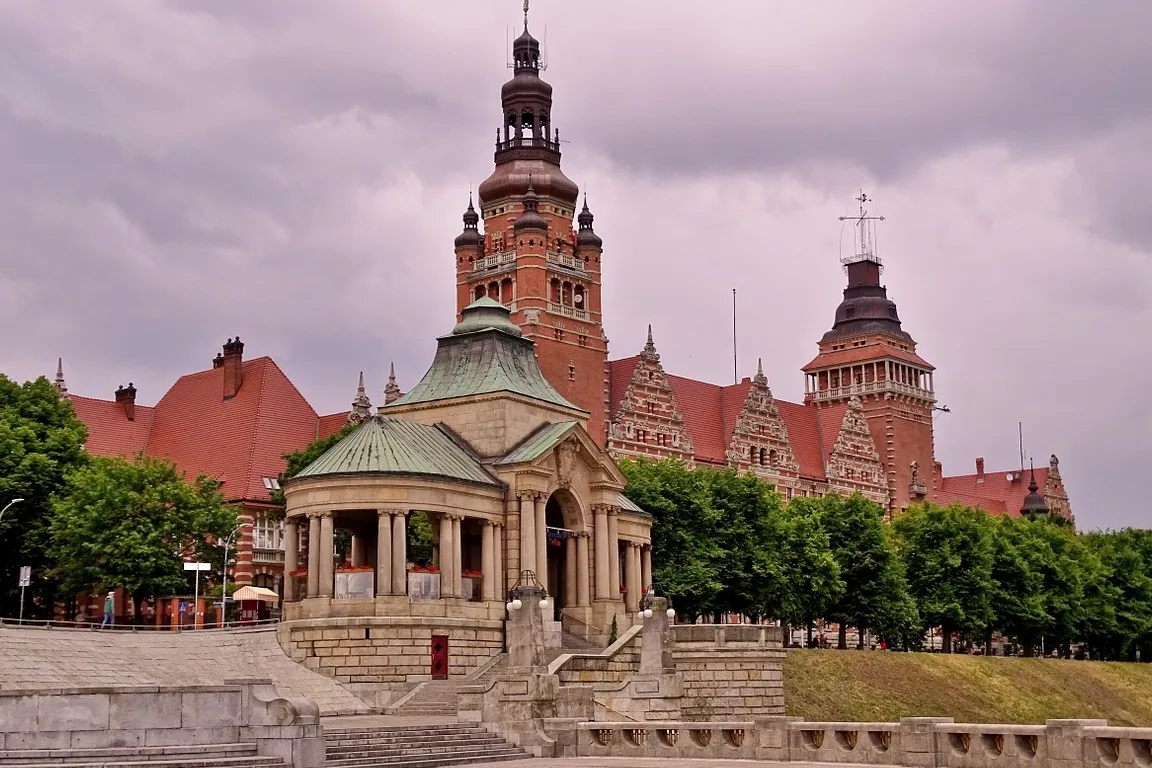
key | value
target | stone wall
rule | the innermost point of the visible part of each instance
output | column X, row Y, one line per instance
column 729, row 671
column 390, row 651
column 613, row 665
column 141, row 717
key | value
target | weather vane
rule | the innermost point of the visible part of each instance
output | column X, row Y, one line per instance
column 865, row 235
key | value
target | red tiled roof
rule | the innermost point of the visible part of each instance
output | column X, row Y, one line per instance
column 110, row 433
column 331, row 424
column 619, row 377
column 867, row 353
column 236, row 441
column 996, row 494
column 701, row 405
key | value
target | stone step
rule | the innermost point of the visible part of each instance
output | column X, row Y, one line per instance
column 376, row 746
column 412, row 730
column 202, row 751
column 453, row 758
column 185, row 762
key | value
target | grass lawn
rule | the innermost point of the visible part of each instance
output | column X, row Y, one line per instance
column 880, row 686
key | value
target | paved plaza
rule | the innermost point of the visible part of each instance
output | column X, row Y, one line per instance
column 641, row 762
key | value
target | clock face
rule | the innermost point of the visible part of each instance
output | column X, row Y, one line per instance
column 578, row 299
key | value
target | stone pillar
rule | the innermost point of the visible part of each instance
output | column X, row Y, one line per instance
column 569, row 571
column 291, row 552
column 457, row 556
column 399, row 552
column 383, row 552
column 631, row 577
column 646, row 565
column 488, row 560
column 603, row 567
column 499, row 577
column 614, row 582
column 314, row 549
column 446, row 548
column 541, row 541
column 527, row 531
column 582, row 569
column 327, row 567
column 357, row 553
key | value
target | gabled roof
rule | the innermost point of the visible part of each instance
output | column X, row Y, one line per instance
column 619, row 377
column 996, row 494
column 331, row 424
column 485, row 354
column 236, row 441
column 110, row 432
column 537, row 443
column 631, row 506
column 384, row 445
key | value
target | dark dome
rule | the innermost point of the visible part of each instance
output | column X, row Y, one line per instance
column 531, row 218
column 511, row 179
column 864, row 310
column 525, row 83
column 1034, row 504
column 470, row 235
column 585, row 235
column 467, row 237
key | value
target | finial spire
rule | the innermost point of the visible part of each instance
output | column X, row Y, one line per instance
column 58, row 384
column 759, row 366
column 649, row 352
column 361, row 405
column 1032, row 486
column 391, row 389
column 525, row 15
column 865, row 235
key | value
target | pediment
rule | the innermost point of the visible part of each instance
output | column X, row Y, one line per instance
column 560, row 448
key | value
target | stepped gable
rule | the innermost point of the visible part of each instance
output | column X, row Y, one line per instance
column 853, row 461
column 995, row 493
column 759, row 437
column 644, row 410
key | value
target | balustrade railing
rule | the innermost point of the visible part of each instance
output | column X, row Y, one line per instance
column 563, row 309
column 566, row 260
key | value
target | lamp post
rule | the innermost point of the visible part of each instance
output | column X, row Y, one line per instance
column 224, row 588
column 9, row 504
column 647, row 601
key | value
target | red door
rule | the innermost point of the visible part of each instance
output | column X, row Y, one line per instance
column 439, row 657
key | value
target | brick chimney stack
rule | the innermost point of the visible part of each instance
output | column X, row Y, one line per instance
column 232, row 363
column 980, row 470
column 126, row 396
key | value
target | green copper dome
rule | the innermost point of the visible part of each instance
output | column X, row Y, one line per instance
column 486, row 353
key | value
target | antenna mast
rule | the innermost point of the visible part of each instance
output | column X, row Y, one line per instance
column 1020, row 426
column 865, row 235
column 735, row 375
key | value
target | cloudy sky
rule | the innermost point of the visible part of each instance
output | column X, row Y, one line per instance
column 176, row 172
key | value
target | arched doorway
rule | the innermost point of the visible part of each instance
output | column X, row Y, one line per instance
column 562, row 520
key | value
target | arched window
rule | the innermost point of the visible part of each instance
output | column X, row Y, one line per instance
column 763, row 456
column 481, row 292
column 506, row 291
column 266, row 534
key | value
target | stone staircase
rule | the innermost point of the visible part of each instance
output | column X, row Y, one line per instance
column 416, row 746
column 195, row 756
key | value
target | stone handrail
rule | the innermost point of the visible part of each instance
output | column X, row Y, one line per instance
column 914, row 741
column 628, row 636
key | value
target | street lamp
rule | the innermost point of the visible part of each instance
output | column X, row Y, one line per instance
column 224, row 589
column 14, row 501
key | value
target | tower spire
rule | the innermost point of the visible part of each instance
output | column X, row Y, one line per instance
column 361, row 405
column 1034, row 504
column 391, row 389
column 525, row 15
column 58, row 384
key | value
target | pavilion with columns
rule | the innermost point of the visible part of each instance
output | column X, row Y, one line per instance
column 503, row 467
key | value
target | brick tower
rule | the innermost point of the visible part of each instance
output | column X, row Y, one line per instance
column 529, row 257
column 868, row 355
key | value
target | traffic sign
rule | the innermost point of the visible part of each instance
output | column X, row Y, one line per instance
column 197, row 566
column 25, row 575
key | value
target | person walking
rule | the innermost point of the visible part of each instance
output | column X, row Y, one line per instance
column 109, row 610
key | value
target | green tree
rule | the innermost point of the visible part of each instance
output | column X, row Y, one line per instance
column 1118, row 594
column 814, row 575
column 130, row 524
column 875, row 595
column 296, row 461
column 41, row 440
column 1017, row 598
column 947, row 553
column 687, row 561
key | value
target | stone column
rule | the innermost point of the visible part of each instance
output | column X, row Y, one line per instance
column 446, row 548
column 327, row 567
column 603, row 568
column 582, row 569
column 488, row 560
column 457, row 556
column 291, row 552
column 314, row 549
column 570, row 571
column 646, row 565
column 357, row 553
column 399, row 552
column 527, row 531
column 499, row 577
column 541, row 541
column 614, row 582
column 383, row 552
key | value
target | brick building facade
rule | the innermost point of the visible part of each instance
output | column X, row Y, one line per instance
column 865, row 423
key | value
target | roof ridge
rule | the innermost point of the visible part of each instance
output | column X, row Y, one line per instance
column 256, row 423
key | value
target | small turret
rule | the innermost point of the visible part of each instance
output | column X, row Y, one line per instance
column 391, row 389
column 1034, row 505
column 586, row 237
column 470, row 237
column 531, row 218
column 361, row 405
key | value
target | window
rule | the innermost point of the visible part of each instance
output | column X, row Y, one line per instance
column 271, row 483
column 641, row 436
column 763, row 456
column 651, row 407
column 267, row 534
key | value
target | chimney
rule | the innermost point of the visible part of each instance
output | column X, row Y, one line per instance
column 980, row 470
column 126, row 396
column 232, row 363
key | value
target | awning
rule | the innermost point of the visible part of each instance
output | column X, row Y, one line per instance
column 255, row 593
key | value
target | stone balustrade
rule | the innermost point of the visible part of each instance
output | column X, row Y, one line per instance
column 248, row 711
column 914, row 741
